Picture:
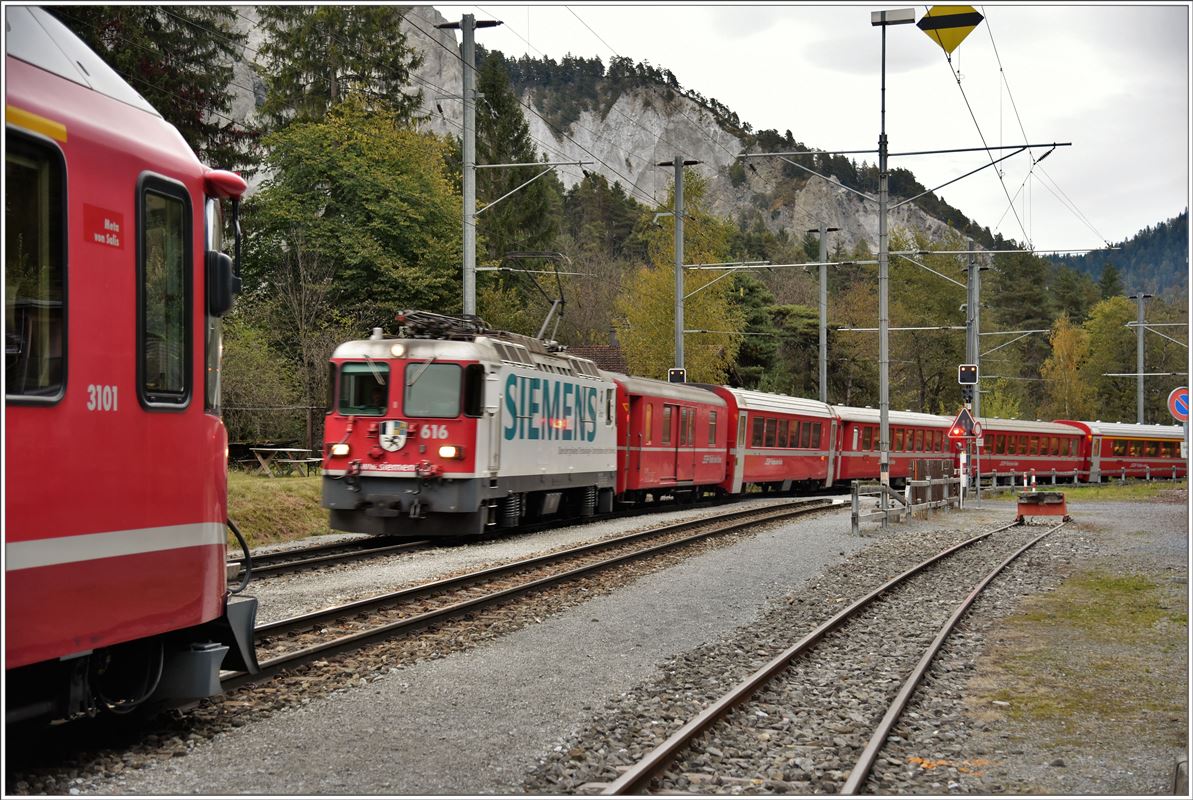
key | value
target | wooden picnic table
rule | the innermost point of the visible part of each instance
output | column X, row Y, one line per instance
column 285, row 458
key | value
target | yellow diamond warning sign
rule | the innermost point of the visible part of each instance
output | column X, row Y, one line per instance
column 949, row 25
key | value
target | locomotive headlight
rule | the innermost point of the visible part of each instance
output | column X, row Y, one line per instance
column 451, row 451
column 339, row 449
column 398, row 350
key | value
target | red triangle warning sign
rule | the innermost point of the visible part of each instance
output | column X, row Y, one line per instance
column 964, row 427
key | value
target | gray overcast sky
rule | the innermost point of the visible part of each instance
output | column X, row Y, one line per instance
column 1111, row 79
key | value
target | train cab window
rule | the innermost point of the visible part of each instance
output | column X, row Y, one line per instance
column 474, row 390
column 430, row 389
column 364, row 388
column 866, row 437
column 712, row 427
column 164, row 293
column 782, row 440
column 919, row 441
column 756, row 432
column 34, row 269
column 769, row 435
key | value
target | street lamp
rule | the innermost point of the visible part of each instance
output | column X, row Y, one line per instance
column 900, row 16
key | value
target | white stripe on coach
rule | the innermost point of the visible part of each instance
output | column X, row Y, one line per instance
column 92, row 546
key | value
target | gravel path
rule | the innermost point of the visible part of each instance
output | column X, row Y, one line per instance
column 546, row 709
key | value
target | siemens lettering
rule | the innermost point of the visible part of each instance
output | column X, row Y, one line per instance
column 542, row 408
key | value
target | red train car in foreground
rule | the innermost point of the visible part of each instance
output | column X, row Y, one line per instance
column 115, row 483
column 671, row 438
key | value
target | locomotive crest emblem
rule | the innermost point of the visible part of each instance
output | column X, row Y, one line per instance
column 393, row 434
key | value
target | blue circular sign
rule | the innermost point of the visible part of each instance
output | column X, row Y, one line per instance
column 1178, row 404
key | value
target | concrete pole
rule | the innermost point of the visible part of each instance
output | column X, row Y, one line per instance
column 678, row 261
column 1139, row 298
column 884, row 399
column 468, row 27
column 823, row 258
column 973, row 353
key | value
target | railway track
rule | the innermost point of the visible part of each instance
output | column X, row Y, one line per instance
column 285, row 561
column 860, row 633
column 288, row 643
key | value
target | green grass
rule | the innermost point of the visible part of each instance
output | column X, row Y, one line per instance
column 1061, row 662
column 275, row 509
column 1133, row 490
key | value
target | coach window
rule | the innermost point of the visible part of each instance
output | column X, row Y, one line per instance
column 712, row 427
column 1151, row 449
column 782, row 440
column 1118, row 447
column 919, row 440
column 816, row 434
column 898, row 445
column 648, row 422
column 793, row 436
column 756, row 432
column 866, row 438
column 34, row 270
column 164, row 307
column 668, row 412
column 429, row 389
column 769, row 439
column 940, row 441
column 805, row 434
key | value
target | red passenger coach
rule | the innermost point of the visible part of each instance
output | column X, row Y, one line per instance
column 671, row 438
column 115, row 454
column 913, row 436
column 1119, row 449
column 777, row 442
column 1012, row 446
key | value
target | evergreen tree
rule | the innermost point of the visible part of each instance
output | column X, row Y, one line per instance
column 756, row 357
column 1075, row 293
column 318, row 56
column 1110, row 284
column 529, row 219
column 179, row 58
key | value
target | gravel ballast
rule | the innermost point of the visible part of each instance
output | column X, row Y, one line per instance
column 546, row 708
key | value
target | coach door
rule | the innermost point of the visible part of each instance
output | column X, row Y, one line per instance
column 669, row 454
column 1095, row 460
column 685, row 456
column 739, row 458
column 833, row 450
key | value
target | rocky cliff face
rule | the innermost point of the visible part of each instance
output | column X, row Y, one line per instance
column 625, row 144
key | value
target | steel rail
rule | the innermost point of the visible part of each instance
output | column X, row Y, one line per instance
column 728, row 523
column 283, row 561
column 638, row 775
column 865, row 761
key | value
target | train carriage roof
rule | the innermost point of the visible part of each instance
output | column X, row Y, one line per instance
column 748, row 400
column 1129, row 430
column 36, row 37
column 871, row 416
column 671, row 391
column 997, row 425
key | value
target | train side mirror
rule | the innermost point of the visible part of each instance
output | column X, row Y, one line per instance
column 223, row 284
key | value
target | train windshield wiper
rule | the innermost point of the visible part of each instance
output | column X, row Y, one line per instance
column 422, row 368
